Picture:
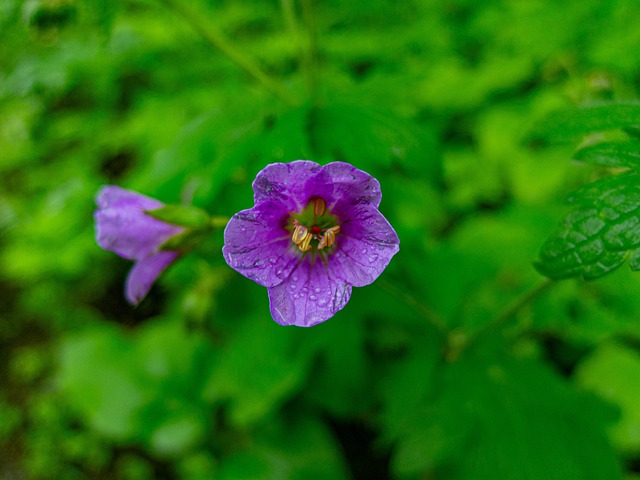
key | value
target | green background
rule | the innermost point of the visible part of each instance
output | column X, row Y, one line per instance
column 444, row 369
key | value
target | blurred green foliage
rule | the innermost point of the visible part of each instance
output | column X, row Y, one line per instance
column 446, row 368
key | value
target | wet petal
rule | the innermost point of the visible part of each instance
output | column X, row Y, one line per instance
column 285, row 183
column 258, row 246
column 123, row 227
column 349, row 186
column 309, row 296
column 144, row 273
column 364, row 247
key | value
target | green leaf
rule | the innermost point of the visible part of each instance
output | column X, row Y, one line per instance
column 298, row 450
column 182, row 215
column 599, row 235
column 612, row 371
column 568, row 125
column 259, row 368
column 612, row 154
column 505, row 420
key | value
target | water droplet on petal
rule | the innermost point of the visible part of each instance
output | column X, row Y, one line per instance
column 313, row 297
column 322, row 301
column 373, row 257
column 273, row 260
column 280, row 273
column 364, row 250
column 292, row 286
column 295, row 278
column 317, row 289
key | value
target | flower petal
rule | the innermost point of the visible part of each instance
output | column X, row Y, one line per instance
column 286, row 183
column 309, row 296
column 123, row 227
column 350, row 186
column 257, row 245
column 364, row 247
column 144, row 273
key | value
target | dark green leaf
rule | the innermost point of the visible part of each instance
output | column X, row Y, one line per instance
column 599, row 235
column 506, row 420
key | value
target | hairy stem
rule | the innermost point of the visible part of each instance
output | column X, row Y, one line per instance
column 217, row 40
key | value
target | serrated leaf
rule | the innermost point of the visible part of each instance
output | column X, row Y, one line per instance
column 568, row 125
column 611, row 154
column 599, row 235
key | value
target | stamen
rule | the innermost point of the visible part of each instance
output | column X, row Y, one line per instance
column 319, row 206
column 329, row 237
column 305, row 245
column 299, row 234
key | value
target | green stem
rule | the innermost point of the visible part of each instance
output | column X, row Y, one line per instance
column 217, row 40
column 512, row 308
column 309, row 57
column 429, row 315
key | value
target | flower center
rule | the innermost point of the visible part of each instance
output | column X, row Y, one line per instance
column 314, row 227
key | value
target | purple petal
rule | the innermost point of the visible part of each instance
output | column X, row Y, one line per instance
column 123, row 227
column 144, row 273
column 309, row 296
column 285, row 183
column 364, row 247
column 349, row 186
column 258, row 246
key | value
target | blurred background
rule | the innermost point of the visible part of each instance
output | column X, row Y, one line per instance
column 185, row 101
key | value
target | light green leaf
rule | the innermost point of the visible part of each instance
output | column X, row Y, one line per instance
column 568, row 125
column 611, row 154
column 612, row 371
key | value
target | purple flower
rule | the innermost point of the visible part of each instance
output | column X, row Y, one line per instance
column 123, row 227
column 313, row 233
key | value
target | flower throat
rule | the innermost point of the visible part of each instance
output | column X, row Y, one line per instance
column 314, row 228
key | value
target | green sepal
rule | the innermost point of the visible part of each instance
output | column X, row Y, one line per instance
column 185, row 241
column 612, row 154
column 181, row 215
column 600, row 234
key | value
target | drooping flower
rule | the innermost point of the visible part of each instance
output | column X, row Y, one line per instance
column 123, row 227
column 313, row 233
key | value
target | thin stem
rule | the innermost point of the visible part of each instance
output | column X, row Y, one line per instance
column 429, row 315
column 310, row 52
column 513, row 308
column 218, row 41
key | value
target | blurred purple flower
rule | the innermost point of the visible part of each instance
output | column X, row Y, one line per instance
column 123, row 227
column 313, row 233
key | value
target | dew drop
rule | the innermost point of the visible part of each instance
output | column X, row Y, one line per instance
column 296, row 296
column 364, row 250
column 295, row 278
column 273, row 260
column 322, row 302
column 317, row 289
column 292, row 286
column 373, row 257
column 313, row 297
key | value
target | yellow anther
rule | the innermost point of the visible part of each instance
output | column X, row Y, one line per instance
column 305, row 244
column 299, row 234
column 329, row 237
column 319, row 206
